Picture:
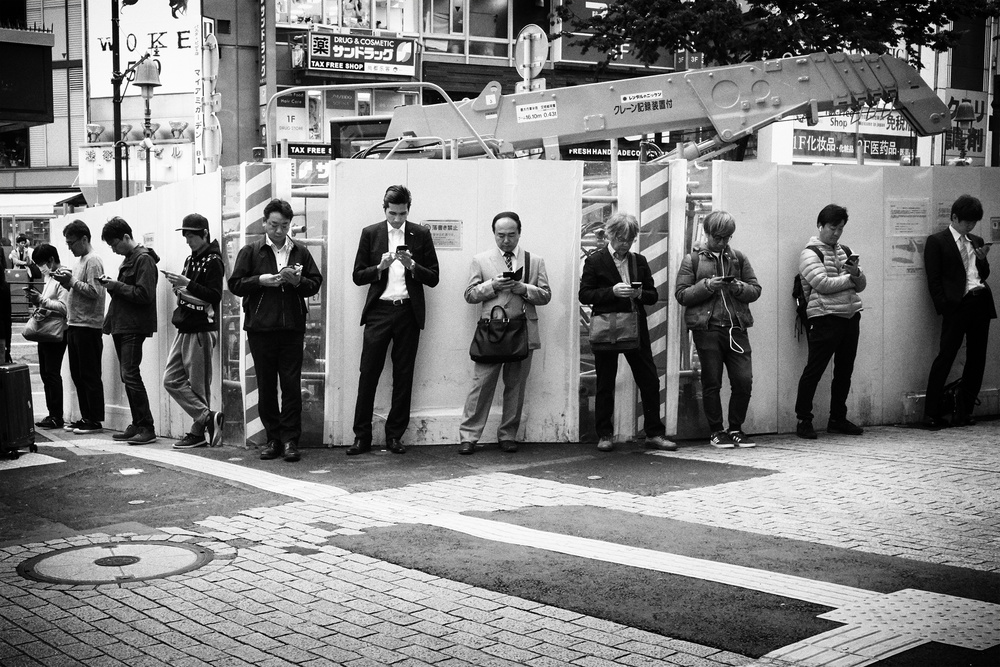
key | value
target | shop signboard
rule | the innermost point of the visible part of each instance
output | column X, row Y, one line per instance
column 368, row 54
column 974, row 138
column 880, row 135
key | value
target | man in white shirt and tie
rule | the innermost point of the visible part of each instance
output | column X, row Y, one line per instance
column 957, row 269
column 395, row 259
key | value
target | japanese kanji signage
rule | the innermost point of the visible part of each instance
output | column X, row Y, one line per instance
column 361, row 53
column 973, row 139
column 880, row 134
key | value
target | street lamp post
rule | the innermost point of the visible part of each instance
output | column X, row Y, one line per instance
column 147, row 77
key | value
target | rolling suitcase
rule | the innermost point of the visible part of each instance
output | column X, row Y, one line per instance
column 16, row 412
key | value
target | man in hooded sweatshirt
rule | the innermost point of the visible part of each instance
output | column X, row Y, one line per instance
column 131, row 319
column 188, row 374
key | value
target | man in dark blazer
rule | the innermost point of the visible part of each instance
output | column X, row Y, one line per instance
column 615, row 280
column 395, row 259
column 957, row 269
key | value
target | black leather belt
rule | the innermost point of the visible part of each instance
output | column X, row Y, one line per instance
column 394, row 302
column 976, row 291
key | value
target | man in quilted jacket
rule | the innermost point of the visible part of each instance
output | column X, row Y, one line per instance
column 832, row 280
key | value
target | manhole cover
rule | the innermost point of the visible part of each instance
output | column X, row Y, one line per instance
column 114, row 563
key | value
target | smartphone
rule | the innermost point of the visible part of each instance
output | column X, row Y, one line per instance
column 728, row 279
column 636, row 284
column 103, row 279
column 402, row 248
column 853, row 259
column 509, row 275
column 988, row 244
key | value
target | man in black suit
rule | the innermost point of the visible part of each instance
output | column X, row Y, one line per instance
column 957, row 269
column 395, row 259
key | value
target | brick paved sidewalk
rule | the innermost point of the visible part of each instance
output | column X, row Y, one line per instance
column 276, row 593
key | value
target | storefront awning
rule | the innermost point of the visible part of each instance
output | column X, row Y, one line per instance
column 34, row 203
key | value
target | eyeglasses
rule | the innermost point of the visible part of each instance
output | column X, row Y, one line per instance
column 722, row 239
column 71, row 243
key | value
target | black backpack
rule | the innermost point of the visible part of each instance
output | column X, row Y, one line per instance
column 799, row 293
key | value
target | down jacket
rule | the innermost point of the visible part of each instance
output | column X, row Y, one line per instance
column 705, row 308
column 829, row 288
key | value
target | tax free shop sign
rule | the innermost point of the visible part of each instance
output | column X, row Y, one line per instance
column 361, row 53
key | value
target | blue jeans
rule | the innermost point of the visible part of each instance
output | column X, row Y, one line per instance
column 129, row 350
column 715, row 350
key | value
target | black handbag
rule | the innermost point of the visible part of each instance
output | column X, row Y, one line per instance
column 501, row 340
column 616, row 332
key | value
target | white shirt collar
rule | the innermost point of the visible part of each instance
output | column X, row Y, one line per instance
column 282, row 248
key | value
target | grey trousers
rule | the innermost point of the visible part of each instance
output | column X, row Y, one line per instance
column 188, row 375
column 484, row 385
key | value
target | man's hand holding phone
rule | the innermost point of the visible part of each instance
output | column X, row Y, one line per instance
column 291, row 274
column 404, row 256
column 719, row 283
column 627, row 290
column 983, row 250
column 177, row 281
column 851, row 266
column 63, row 276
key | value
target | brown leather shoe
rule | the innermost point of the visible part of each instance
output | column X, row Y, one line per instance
column 467, row 448
column 396, row 446
column 359, row 447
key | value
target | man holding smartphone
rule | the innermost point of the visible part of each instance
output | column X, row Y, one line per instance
column 395, row 259
column 716, row 284
column 275, row 275
column 131, row 319
column 832, row 281
column 957, row 269
column 494, row 282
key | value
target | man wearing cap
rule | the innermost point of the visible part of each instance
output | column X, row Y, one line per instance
column 188, row 374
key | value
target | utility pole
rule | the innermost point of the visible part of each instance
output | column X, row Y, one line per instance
column 116, row 103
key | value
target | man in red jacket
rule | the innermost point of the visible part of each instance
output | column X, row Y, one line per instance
column 275, row 276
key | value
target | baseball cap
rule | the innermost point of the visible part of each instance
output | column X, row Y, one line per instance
column 194, row 223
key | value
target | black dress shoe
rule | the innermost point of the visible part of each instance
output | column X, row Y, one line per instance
column 934, row 423
column 396, row 446
column 467, row 448
column 964, row 420
column 292, row 451
column 359, row 447
column 273, row 450
column 508, row 446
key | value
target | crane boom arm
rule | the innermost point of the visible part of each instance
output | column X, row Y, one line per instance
column 736, row 99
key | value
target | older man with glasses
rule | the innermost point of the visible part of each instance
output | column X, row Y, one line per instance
column 85, row 320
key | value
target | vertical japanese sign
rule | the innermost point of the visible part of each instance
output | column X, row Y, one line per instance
column 170, row 34
column 361, row 53
column 973, row 138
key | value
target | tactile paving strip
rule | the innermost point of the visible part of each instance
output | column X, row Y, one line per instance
column 941, row 618
column 26, row 461
column 114, row 563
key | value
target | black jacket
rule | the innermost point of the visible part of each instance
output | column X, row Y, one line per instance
column 206, row 272
column 281, row 308
column 946, row 272
column 374, row 242
column 133, row 299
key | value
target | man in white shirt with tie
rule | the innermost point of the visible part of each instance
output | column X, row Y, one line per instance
column 395, row 259
column 957, row 268
column 489, row 287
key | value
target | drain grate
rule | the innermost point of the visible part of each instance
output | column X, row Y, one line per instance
column 114, row 562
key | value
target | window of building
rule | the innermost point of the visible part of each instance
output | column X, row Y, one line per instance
column 394, row 15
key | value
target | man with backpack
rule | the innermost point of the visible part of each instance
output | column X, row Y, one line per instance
column 716, row 284
column 831, row 281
